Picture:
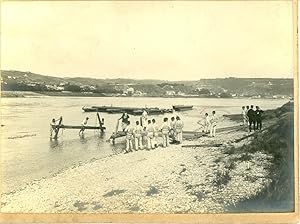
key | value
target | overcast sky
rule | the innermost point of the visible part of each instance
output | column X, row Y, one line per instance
column 173, row 40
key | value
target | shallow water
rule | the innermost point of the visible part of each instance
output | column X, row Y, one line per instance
column 28, row 154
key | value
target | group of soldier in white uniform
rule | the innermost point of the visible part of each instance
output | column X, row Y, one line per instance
column 210, row 124
column 145, row 133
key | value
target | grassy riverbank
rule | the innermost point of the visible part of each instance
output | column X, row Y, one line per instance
column 278, row 141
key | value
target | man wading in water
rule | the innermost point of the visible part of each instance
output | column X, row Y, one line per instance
column 125, row 119
column 53, row 126
column 83, row 124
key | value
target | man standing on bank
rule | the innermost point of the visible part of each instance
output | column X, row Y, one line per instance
column 258, row 117
column 165, row 129
column 178, row 130
column 150, row 135
column 251, row 116
column 172, row 131
column 138, row 139
column 244, row 115
column 213, row 124
column 129, row 130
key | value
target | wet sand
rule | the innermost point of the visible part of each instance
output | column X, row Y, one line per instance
column 163, row 180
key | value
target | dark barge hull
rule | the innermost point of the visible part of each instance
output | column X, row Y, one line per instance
column 182, row 107
column 129, row 110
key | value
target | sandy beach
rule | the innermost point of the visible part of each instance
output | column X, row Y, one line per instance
column 164, row 180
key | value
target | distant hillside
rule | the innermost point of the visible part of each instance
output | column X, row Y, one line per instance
column 221, row 87
column 250, row 86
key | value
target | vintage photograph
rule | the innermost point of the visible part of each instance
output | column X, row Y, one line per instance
column 148, row 107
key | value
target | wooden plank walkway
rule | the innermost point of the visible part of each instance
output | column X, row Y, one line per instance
column 62, row 126
column 79, row 127
column 186, row 134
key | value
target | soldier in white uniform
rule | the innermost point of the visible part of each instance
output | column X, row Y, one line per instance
column 245, row 117
column 172, row 131
column 178, row 129
column 150, row 135
column 138, row 136
column 144, row 118
column 52, row 126
column 165, row 129
column 213, row 124
column 129, row 137
column 155, row 133
column 207, row 123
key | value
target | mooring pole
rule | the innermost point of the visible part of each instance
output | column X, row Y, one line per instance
column 141, row 121
column 57, row 129
column 117, row 126
column 98, row 116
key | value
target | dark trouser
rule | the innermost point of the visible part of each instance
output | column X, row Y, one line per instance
column 258, row 124
column 250, row 124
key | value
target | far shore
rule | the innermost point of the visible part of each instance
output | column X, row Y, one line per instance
column 20, row 94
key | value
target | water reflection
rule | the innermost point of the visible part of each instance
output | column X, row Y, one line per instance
column 92, row 143
column 82, row 138
column 55, row 145
column 102, row 135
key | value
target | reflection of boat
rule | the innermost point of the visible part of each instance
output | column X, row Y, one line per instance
column 182, row 107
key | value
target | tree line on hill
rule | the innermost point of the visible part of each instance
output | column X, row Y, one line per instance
column 224, row 88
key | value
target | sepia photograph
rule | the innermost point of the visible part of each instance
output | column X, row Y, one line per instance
column 149, row 108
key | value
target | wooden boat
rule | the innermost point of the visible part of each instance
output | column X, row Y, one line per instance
column 113, row 111
column 136, row 112
column 129, row 110
column 102, row 108
column 182, row 107
column 90, row 109
column 167, row 110
column 154, row 111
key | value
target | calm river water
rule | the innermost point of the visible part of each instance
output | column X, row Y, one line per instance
column 28, row 154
